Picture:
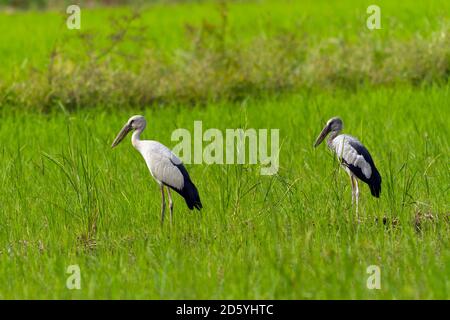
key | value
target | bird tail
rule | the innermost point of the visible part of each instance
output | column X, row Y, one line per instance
column 191, row 196
column 375, row 184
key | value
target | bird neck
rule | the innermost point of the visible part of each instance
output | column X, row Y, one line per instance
column 136, row 137
column 333, row 134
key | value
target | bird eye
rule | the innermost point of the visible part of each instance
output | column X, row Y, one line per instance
column 131, row 122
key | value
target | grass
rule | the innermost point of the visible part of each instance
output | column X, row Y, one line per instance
column 67, row 198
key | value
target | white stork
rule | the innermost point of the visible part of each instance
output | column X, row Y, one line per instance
column 353, row 156
column 166, row 168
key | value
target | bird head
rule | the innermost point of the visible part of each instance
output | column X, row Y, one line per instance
column 334, row 124
column 134, row 123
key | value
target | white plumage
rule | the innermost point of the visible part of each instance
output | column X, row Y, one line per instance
column 161, row 162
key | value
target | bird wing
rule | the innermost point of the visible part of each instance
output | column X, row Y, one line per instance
column 354, row 155
column 163, row 164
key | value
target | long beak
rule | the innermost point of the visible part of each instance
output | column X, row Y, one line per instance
column 122, row 134
column 322, row 135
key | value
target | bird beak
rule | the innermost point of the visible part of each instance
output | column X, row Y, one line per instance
column 322, row 135
column 122, row 134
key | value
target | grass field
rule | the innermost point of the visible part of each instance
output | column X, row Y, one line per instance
column 67, row 198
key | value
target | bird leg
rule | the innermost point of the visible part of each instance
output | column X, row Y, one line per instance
column 170, row 205
column 356, row 194
column 163, row 204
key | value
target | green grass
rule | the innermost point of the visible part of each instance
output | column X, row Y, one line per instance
column 67, row 198
column 248, row 19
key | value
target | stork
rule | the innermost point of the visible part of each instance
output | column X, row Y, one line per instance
column 353, row 156
column 166, row 168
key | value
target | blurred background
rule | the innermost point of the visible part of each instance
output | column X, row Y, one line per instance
column 47, row 4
